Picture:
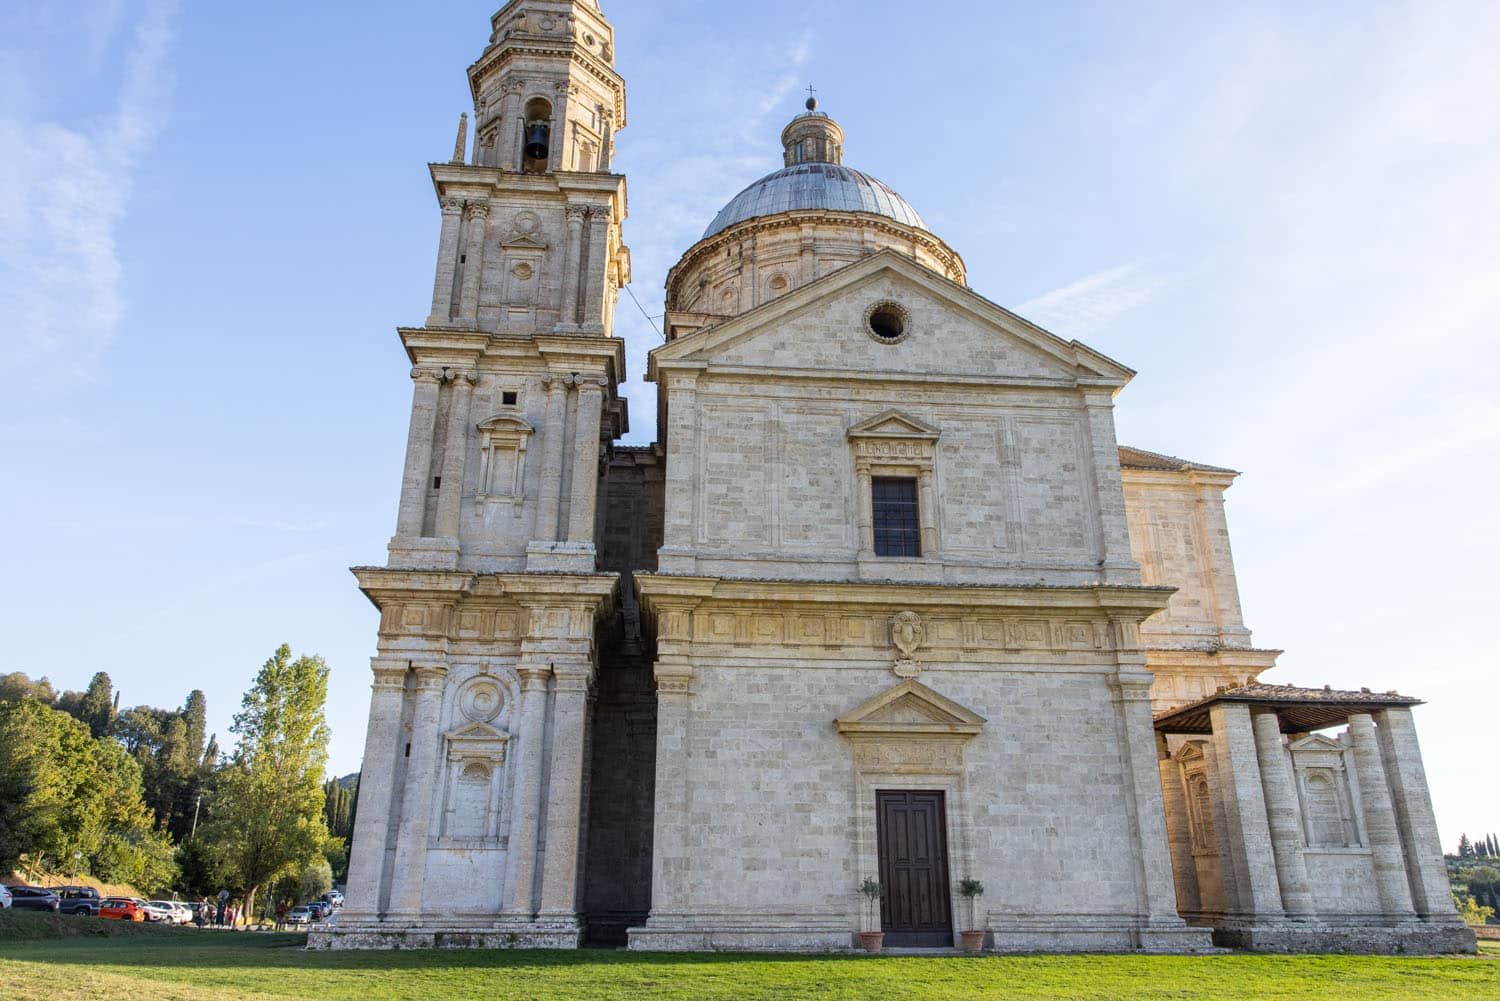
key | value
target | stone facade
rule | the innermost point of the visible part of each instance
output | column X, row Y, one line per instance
column 688, row 696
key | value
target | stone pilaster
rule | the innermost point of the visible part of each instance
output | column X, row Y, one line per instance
column 507, row 141
column 476, row 215
column 372, row 826
column 1113, row 539
column 1428, row 875
column 447, row 262
column 1283, row 816
column 1246, row 829
column 1380, row 821
column 864, row 502
column 416, row 798
column 606, row 139
column 418, row 452
column 568, row 317
column 585, row 481
column 565, row 783
column 1146, row 813
column 669, row 845
column 598, row 261
column 527, row 809
column 450, row 496
column 550, row 496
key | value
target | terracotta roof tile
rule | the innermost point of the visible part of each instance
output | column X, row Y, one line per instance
column 1139, row 458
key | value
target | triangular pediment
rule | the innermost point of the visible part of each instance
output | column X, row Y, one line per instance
column 1316, row 742
column 893, row 424
column 473, row 732
column 913, row 708
column 952, row 333
column 523, row 241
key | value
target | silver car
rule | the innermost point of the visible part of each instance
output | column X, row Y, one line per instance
column 4, row 897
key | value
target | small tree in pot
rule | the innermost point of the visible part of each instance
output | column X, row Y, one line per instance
column 973, row 939
column 871, row 940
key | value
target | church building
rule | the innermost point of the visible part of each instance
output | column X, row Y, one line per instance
column 885, row 601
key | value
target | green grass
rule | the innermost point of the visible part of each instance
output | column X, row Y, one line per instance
column 192, row 965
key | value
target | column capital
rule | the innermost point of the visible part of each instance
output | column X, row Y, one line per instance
column 430, row 676
column 457, row 376
column 533, row 676
column 427, row 373
column 673, row 677
column 576, row 214
column 477, row 210
column 388, row 676
column 452, row 206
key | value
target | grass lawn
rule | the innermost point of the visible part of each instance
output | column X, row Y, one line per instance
column 189, row 964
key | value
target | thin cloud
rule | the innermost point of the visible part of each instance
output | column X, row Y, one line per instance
column 63, row 193
column 1093, row 302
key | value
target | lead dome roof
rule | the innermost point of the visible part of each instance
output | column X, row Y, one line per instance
column 815, row 185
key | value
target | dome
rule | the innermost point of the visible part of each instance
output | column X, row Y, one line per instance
column 815, row 185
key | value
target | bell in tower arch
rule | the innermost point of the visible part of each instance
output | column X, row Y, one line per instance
column 536, row 140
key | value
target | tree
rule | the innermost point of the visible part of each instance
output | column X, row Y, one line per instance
column 195, row 716
column 267, row 802
column 98, row 706
column 17, row 686
column 66, row 795
column 1465, row 849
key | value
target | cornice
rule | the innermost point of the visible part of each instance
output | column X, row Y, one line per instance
column 1135, row 601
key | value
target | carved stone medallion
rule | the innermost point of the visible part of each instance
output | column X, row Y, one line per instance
column 908, row 633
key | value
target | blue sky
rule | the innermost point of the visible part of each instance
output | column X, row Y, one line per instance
column 1284, row 216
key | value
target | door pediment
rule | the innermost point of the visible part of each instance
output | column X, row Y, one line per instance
column 913, row 709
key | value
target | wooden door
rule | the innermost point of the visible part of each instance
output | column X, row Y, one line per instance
column 913, row 845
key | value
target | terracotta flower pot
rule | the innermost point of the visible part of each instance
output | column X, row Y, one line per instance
column 871, row 940
column 973, row 941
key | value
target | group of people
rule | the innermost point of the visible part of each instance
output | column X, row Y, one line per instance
column 218, row 913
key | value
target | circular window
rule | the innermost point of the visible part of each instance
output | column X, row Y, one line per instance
column 887, row 322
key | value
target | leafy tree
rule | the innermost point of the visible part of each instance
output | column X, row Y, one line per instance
column 1472, row 911
column 17, row 686
column 267, row 815
column 1465, row 849
column 195, row 716
column 98, row 706
column 210, row 760
column 64, row 792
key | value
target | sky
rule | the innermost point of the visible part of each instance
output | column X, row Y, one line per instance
column 1284, row 216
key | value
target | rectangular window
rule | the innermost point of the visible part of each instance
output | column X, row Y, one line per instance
column 898, row 531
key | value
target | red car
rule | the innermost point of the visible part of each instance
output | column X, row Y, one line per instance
column 121, row 909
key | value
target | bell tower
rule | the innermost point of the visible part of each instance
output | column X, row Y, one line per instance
column 474, row 775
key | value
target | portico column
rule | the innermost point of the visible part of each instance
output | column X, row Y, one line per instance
column 450, row 495
column 568, row 318
column 565, row 792
column 416, row 798
column 1131, row 693
column 1380, row 820
column 552, row 457
column 447, row 262
column 1414, row 817
column 585, row 485
column 468, row 309
column 1246, row 829
column 372, row 826
column 1179, row 837
column 418, row 452
column 1280, row 790
column 526, row 812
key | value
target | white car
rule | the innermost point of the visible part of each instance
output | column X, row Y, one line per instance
column 159, row 911
column 176, row 913
column 299, row 916
column 4, row 897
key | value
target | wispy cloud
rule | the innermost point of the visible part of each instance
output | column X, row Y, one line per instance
column 64, row 189
column 1092, row 302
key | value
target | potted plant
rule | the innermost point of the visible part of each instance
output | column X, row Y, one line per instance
column 973, row 939
column 871, row 940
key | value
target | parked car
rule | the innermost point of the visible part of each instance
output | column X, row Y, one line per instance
column 299, row 916
column 335, row 897
column 78, row 900
column 158, row 912
column 33, row 898
column 4, row 897
column 121, row 909
column 171, row 912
